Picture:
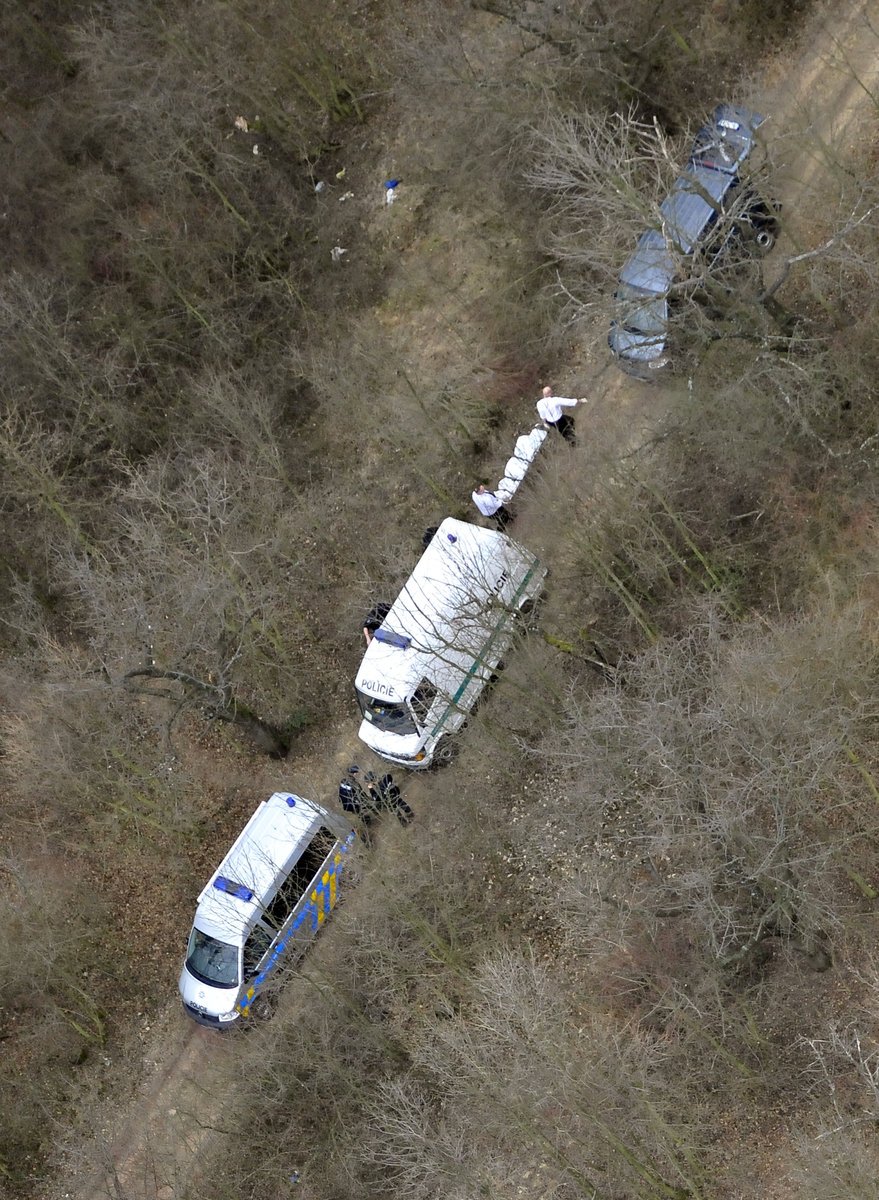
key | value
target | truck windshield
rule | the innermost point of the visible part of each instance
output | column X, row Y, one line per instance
column 212, row 961
column 386, row 715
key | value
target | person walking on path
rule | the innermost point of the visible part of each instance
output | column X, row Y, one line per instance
column 490, row 505
column 551, row 408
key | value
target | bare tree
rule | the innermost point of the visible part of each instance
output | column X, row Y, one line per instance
column 187, row 593
column 714, row 763
column 606, row 176
column 51, row 962
column 839, row 1156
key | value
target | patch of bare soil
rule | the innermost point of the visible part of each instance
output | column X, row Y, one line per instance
column 148, row 1144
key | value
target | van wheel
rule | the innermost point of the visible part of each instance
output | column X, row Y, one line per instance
column 765, row 240
column 527, row 612
column 446, row 752
column 263, row 1007
column 496, row 673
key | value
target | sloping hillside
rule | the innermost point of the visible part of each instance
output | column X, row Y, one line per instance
column 625, row 948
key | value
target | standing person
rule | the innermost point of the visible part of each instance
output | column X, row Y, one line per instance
column 551, row 408
column 351, row 795
column 373, row 620
column 491, row 505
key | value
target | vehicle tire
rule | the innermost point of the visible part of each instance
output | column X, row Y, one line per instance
column 528, row 612
column 445, row 753
column 263, row 1007
column 496, row 673
column 765, row 240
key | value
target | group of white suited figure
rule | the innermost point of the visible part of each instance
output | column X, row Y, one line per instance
column 551, row 410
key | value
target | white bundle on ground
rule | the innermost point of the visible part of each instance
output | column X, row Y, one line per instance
column 524, row 453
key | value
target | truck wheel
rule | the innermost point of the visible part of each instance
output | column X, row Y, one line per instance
column 445, row 753
column 528, row 611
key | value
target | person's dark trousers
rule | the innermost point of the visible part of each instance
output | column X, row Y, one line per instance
column 392, row 798
column 503, row 516
column 349, row 798
column 565, row 426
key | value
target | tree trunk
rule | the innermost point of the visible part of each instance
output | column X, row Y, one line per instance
column 268, row 737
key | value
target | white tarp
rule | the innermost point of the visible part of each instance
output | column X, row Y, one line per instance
column 524, row 453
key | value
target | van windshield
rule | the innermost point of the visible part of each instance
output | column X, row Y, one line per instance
column 212, row 961
column 643, row 312
column 386, row 715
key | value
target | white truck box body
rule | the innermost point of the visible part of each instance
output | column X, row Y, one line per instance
column 442, row 640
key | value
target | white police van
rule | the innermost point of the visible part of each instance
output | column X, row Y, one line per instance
column 263, row 904
column 442, row 640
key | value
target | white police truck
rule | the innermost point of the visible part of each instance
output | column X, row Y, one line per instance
column 442, row 641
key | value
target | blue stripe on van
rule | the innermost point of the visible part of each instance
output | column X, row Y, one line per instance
column 319, row 903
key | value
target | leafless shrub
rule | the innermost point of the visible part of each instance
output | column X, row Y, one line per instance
column 599, row 169
column 509, row 1056
column 82, row 758
column 52, row 1016
column 838, row 1159
column 192, row 585
column 841, row 1166
column 718, row 762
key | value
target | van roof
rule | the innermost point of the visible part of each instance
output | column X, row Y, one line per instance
column 686, row 212
column 692, row 205
column 268, row 846
column 441, row 606
column 651, row 268
column 720, row 147
column 726, row 139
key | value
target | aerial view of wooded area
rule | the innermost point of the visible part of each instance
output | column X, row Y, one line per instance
column 280, row 284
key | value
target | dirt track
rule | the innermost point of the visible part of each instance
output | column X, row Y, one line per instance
column 149, row 1148
column 151, row 1145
